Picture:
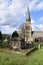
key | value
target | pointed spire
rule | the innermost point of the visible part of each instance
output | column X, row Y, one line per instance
column 28, row 15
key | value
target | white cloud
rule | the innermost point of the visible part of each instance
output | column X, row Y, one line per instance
column 32, row 4
column 8, row 29
column 39, row 6
column 3, row 10
column 36, row 27
column 41, row 27
column 13, row 10
column 32, row 21
column 17, row 8
column 41, row 18
column 36, row 5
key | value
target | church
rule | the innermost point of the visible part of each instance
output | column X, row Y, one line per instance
column 28, row 28
column 30, row 36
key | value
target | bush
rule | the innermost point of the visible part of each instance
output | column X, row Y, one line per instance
column 5, row 44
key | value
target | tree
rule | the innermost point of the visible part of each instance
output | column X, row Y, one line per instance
column 4, row 36
column 1, row 39
column 7, row 42
column 1, row 36
column 15, row 34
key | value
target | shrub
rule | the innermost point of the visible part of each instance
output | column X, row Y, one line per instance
column 5, row 44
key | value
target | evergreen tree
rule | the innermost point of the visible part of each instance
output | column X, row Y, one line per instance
column 1, row 39
column 1, row 36
column 15, row 34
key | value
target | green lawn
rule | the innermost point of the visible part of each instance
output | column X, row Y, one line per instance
column 8, row 57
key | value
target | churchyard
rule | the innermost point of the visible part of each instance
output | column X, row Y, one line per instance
column 23, row 55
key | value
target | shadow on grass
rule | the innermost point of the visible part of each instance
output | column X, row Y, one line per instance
column 31, row 51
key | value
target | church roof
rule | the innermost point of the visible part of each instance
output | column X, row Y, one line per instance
column 37, row 34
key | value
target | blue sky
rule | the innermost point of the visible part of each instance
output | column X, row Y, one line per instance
column 13, row 13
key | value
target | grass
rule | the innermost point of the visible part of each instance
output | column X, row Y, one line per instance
column 8, row 57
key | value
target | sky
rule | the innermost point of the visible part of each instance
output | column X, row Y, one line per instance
column 13, row 13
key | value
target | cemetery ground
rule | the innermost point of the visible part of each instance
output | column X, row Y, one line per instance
column 9, row 57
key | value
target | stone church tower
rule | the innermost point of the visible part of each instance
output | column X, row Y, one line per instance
column 28, row 27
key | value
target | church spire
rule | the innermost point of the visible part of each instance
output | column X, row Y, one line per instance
column 28, row 15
